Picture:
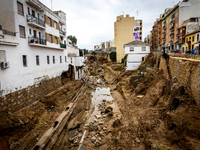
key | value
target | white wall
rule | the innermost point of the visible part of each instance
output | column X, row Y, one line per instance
column 188, row 10
column 137, row 49
column 134, row 58
column 17, row 76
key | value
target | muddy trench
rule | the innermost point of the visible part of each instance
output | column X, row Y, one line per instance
column 110, row 109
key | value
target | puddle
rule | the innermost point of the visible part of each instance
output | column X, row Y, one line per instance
column 99, row 95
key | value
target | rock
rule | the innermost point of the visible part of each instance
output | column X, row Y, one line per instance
column 137, row 140
column 104, row 128
column 99, row 138
column 97, row 116
column 71, row 139
column 116, row 123
column 87, row 125
column 93, row 139
column 108, row 109
column 101, row 123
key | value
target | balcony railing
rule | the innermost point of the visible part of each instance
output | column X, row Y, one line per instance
column 164, row 33
column 37, row 40
column 172, row 28
column 173, row 20
column 62, row 45
column 62, row 32
column 9, row 32
column 164, row 27
column 173, row 15
column 172, row 35
column 36, row 20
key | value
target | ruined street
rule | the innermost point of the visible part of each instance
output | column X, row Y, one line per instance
column 109, row 109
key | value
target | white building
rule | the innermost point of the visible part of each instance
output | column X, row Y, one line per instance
column 76, row 59
column 136, row 51
column 32, row 42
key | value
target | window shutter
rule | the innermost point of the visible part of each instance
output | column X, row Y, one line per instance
column 53, row 38
column 46, row 19
column 20, row 8
column 58, row 40
column 57, row 26
column 47, row 37
column 52, row 22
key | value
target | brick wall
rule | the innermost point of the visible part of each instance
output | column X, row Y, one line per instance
column 180, row 68
column 19, row 99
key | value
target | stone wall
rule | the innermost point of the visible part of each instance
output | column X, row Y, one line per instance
column 22, row 98
column 180, row 69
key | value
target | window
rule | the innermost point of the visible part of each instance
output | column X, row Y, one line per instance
column 20, row 8
column 71, row 60
column 33, row 13
column 193, row 38
column 55, row 25
column 180, row 30
column 180, row 38
column 60, row 59
column 34, row 34
column 197, row 37
column 24, row 60
column 30, row 31
column 37, row 60
column 142, row 58
column 65, row 58
column 143, row 48
column 47, row 59
column 28, row 11
column 50, row 38
column 54, row 59
column 192, row 47
column 49, row 21
column 131, row 48
column 56, row 40
column 22, row 32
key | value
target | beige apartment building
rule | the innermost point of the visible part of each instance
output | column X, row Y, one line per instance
column 126, row 29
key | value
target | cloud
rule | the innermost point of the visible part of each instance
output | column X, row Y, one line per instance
column 92, row 21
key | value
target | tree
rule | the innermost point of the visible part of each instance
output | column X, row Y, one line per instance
column 73, row 39
column 113, row 56
column 86, row 51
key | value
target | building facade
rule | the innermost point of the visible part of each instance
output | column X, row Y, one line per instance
column 32, row 44
column 76, row 59
column 136, row 51
column 126, row 29
column 170, row 29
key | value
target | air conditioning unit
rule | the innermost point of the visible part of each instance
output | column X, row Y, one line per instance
column 5, row 65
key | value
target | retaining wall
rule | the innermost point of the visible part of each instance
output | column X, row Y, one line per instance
column 22, row 98
column 180, row 68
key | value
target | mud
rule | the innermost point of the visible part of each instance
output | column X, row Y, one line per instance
column 122, row 110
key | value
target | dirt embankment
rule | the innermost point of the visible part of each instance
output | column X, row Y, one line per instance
column 22, row 129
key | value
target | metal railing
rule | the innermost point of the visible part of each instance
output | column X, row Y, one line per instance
column 62, row 32
column 9, row 32
column 31, row 18
column 37, row 40
column 62, row 45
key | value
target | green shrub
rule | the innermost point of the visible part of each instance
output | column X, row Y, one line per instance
column 113, row 56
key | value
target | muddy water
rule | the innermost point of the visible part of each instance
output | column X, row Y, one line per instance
column 99, row 96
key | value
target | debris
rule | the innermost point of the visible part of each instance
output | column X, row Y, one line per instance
column 140, row 96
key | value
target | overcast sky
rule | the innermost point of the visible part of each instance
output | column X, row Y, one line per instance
column 92, row 21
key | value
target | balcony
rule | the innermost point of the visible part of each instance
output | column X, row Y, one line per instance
column 34, row 4
column 9, row 32
column 177, row 34
column 62, row 45
column 172, row 35
column 172, row 21
column 173, row 15
column 62, row 33
column 36, row 41
column 164, row 33
column 172, row 28
column 164, row 27
column 35, row 22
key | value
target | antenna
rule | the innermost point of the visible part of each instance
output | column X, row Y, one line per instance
column 137, row 14
column 51, row 5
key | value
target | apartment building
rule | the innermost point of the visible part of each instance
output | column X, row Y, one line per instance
column 169, row 30
column 126, row 29
column 32, row 44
